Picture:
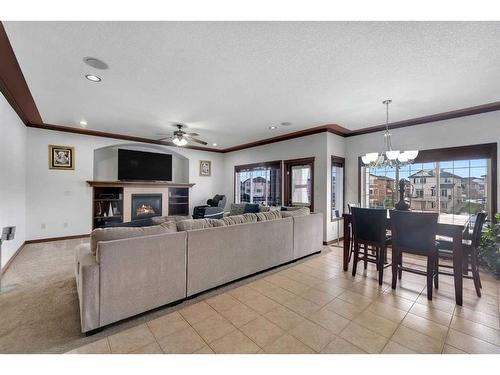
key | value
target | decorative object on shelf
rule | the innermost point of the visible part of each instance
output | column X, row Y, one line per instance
column 205, row 168
column 389, row 157
column 402, row 205
column 61, row 157
column 110, row 210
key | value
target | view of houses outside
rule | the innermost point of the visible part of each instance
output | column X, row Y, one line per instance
column 451, row 187
column 259, row 186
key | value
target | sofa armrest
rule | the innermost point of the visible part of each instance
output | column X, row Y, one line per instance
column 307, row 234
column 87, row 283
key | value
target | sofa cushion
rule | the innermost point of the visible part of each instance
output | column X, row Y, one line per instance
column 110, row 234
column 302, row 211
column 240, row 219
column 251, row 208
column 237, row 209
column 192, row 224
column 269, row 215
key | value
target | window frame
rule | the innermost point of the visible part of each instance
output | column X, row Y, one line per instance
column 337, row 160
column 266, row 164
column 287, row 179
column 477, row 151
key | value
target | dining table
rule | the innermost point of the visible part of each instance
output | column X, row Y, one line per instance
column 448, row 226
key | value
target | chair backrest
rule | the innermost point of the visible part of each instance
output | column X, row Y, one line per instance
column 478, row 227
column 351, row 205
column 369, row 225
column 414, row 230
column 217, row 201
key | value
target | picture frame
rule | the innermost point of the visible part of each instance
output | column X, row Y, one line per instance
column 205, row 168
column 61, row 157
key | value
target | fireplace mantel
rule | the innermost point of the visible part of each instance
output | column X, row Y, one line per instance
column 140, row 183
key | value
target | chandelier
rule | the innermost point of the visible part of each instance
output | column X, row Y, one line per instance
column 389, row 157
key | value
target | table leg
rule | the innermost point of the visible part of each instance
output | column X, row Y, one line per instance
column 457, row 268
column 347, row 244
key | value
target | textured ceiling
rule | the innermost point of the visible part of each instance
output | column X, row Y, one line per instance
column 230, row 81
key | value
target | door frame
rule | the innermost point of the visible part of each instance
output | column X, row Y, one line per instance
column 287, row 185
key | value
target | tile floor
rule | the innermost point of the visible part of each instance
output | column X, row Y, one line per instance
column 316, row 307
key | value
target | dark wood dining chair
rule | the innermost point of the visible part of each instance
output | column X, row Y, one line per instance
column 470, row 248
column 349, row 207
column 415, row 233
column 369, row 230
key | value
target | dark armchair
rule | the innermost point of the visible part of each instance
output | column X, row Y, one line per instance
column 214, row 209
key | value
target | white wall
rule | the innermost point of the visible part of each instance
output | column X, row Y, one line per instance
column 12, row 178
column 477, row 129
column 320, row 145
column 59, row 202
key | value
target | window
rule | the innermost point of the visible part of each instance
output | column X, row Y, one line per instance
column 258, row 183
column 337, row 187
column 299, row 182
column 456, row 182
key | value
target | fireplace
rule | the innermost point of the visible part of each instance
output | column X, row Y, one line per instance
column 146, row 205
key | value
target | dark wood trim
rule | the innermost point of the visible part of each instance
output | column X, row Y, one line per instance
column 95, row 133
column 338, row 160
column 136, row 183
column 335, row 129
column 287, row 166
column 40, row 240
column 9, row 262
column 463, row 112
column 13, row 85
column 484, row 150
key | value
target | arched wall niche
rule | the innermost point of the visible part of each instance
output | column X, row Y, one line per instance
column 106, row 161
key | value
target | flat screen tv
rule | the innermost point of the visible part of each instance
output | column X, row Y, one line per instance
column 144, row 166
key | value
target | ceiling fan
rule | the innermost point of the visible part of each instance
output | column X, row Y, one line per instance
column 181, row 138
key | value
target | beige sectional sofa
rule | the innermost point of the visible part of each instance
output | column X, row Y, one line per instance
column 121, row 277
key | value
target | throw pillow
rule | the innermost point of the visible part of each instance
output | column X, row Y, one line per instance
column 251, row 208
column 270, row 215
column 193, row 224
column 110, row 234
column 237, row 209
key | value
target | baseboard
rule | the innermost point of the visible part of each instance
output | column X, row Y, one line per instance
column 331, row 242
column 56, row 238
column 9, row 262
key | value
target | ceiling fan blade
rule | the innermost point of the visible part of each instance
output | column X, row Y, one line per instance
column 193, row 134
column 166, row 139
column 198, row 141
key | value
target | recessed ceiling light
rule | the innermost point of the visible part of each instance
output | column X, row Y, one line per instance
column 93, row 78
column 286, row 123
column 83, row 123
column 273, row 127
column 214, row 144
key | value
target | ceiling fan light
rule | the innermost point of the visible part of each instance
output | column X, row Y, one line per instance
column 179, row 141
column 391, row 154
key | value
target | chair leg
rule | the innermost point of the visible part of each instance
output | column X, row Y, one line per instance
column 365, row 260
column 400, row 263
column 436, row 273
column 395, row 263
column 475, row 274
column 430, row 272
column 356, row 259
column 380, row 265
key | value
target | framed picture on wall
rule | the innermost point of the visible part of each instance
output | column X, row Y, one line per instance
column 205, row 168
column 61, row 157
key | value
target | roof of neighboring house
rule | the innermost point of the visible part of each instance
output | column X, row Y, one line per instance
column 255, row 179
column 382, row 177
column 431, row 173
